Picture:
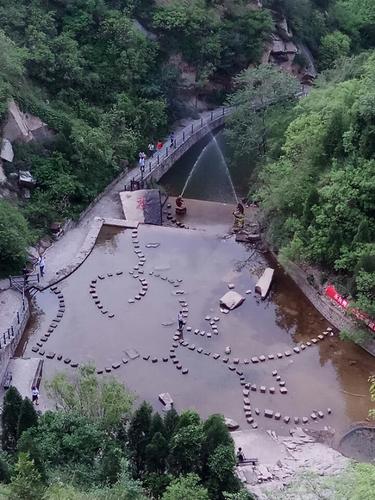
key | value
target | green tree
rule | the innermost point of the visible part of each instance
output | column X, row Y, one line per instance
column 372, row 396
column 170, row 423
column 11, row 69
column 28, row 416
column 26, row 483
column 105, row 401
column 333, row 46
column 139, row 434
column 221, row 465
column 186, row 487
column 15, row 237
column 156, row 453
column 186, row 449
column 10, row 418
column 257, row 91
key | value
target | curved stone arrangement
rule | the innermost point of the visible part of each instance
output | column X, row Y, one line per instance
column 190, row 341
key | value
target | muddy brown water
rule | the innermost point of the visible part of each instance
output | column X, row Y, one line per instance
column 331, row 374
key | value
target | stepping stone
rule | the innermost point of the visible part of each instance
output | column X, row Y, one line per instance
column 277, row 415
column 282, row 383
column 320, row 414
column 236, row 361
column 268, row 413
column 175, row 361
column 231, row 368
column 132, row 353
column 254, row 359
column 257, row 411
column 216, row 356
column 60, row 296
column 137, row 297
column 67, row 361
column 320, row 337
column 104, row 312
column 185, row 371
column 314, row 416
column 329, row 411
column 188, row 328
column 278, row 378
column 262, row 389
column 115, row 366
column 230, row 286
column 165, row 360
column 246, row 401
column 146, row 358
column 109, row 275
column 279, row 355
column 142, row 293
column 209, row 335
column 245, row 392
column 101, row 277
column 207, row 318
column 283, row 390
column 179, row 366
column 308, row 344
column 199, row 350
column 119, row 273
column 262, row 358
column 303, row 347
column 247, row 292
column 100, row 306
column 35, row 349
column 50, row 330
column 202, row 334
column 99, row 372
column 246, row 361
column 271, row 390
column 254, row 425
column 125, row 361
column 39, row 344
column 247, row 385
column 108, row 369
column 61, row 311
column 271, row 356
column 296, row 420
column 225, row 360
column 57, row 320
column 216, row 318
column 208, row 353
column 172, row 356
column 287, row 353
column 239, row 373
column 296, row 350
column 329, row 329
column 249, row 420
column 131, row 301
column 154, row 360
column 286, row 419
column 59, row 357
column 253, row 387
column 50, row 355
column 41, row 352
column 74, row 365
column 196, row 331
column 305, row 420
column 274, row 373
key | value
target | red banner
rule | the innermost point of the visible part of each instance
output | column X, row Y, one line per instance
column 333, row 294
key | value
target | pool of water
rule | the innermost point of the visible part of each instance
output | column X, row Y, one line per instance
column 209, row 158
column 324, row 375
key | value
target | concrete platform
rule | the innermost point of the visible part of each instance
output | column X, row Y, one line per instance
column 26, row 372
column 143, row 205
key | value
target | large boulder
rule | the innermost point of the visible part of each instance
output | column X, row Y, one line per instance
column 231, row 300
column 24, row 127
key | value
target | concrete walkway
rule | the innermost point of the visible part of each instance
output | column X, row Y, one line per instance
column 62, row 252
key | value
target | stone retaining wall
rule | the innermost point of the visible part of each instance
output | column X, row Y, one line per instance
column 331, row 313
column 12, row 337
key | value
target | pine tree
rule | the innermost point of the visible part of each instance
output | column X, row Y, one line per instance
column 26, row 484
column 157, row 425
column 28, row 416
column 139, row 434
column 156, row 453
column 10, row 418
column 170, row 423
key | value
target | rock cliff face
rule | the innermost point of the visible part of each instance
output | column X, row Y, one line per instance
column 282, row 50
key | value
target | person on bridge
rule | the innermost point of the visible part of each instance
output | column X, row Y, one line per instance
column 159, row 145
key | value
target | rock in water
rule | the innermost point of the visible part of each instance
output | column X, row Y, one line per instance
column 231, row 424
column 231, row 300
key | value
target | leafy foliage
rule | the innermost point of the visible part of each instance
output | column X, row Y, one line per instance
column 102, row 400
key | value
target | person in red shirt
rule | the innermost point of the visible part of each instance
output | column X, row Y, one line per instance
column 159, row 145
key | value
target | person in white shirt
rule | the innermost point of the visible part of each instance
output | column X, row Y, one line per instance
column 41, row 264
column 180, row 321
column 35, row 395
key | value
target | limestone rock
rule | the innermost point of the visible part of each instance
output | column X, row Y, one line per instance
column 231, row 300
